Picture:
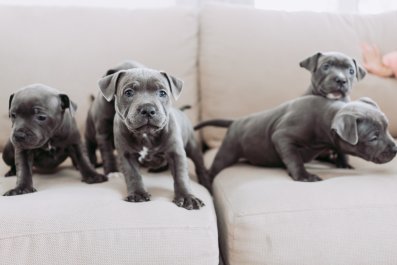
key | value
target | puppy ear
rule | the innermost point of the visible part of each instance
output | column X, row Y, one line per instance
column 345, row 125
column 10, row 101
column 110, row 72
column 108, row 85
column 369, row 101
column 66, row 103
column 311, row 62
column 175, row 84
column 360, row 71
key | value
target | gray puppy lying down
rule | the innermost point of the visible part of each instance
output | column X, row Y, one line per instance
column 149, row 132
column 44, row 133
column 297, row 131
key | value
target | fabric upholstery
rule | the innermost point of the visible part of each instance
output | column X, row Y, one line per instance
column 70, row 222
column 265, row 217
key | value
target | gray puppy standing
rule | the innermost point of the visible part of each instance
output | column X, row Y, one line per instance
column 292, row 134
column 44, row 134
column 332, row 77
column 99, row 125
column 148, row 131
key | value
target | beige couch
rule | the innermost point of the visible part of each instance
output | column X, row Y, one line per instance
column 234, row 61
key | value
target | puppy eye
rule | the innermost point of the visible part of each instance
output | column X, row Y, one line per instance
column 162, row 93
column 374, row 137
column 325, row 66
column 351, row 71
column 128, row 92
column 13, row 115
column 41, row 117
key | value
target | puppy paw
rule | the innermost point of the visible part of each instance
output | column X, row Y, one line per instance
column 98, row 178
column 138, row 196
column 11, row 172
column 20, row 190
column 309, row 178
column 110, row 169
column 344, row 165
column 188, row 202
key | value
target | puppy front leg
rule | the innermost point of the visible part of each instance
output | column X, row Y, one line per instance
column 342, row 161
column 23, row 164
column 87, row 171
column 292, row 159
column 9, row 159
column 135, row 187
column 183, row 195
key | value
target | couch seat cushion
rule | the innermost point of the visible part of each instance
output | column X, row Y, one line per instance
column 267, row 218
column 70, row 222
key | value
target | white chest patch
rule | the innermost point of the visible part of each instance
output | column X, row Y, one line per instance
column 142, row 154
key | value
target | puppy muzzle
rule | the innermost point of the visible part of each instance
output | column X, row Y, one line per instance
column 25, row 139
column 386, row 155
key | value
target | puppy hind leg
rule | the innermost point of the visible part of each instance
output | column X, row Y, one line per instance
column 91, row 144
column 195, row 154
column 105, row 144
column 91, row 148
column 84, row 166
column 226, row 156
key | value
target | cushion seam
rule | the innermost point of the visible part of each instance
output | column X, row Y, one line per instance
column 104, row 230
column 314, row 210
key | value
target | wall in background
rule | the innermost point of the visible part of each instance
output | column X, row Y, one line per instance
column 343, row 6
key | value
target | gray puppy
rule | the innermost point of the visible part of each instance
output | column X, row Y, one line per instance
column 44, row 134
column 332, row 74
column 99, row 125
column 149, row 132
column 332, row 77
column 292, row 134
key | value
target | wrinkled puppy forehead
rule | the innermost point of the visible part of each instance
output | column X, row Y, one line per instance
column 367, row 111
column 36, row 95
column 336, row 58
column 143, row 79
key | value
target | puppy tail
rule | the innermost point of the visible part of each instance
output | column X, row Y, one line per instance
column 185, row 107
column 216, row 123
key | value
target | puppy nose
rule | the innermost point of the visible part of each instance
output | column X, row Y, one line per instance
column 20, row 136
column 148, row 110
column 340, row 80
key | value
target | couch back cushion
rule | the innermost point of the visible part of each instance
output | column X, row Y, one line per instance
column 249, row 58
column 70, row 48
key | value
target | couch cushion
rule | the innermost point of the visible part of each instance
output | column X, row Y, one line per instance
column 265, row 217
column 249, row 59
column 70, row 48
column 70, row 222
